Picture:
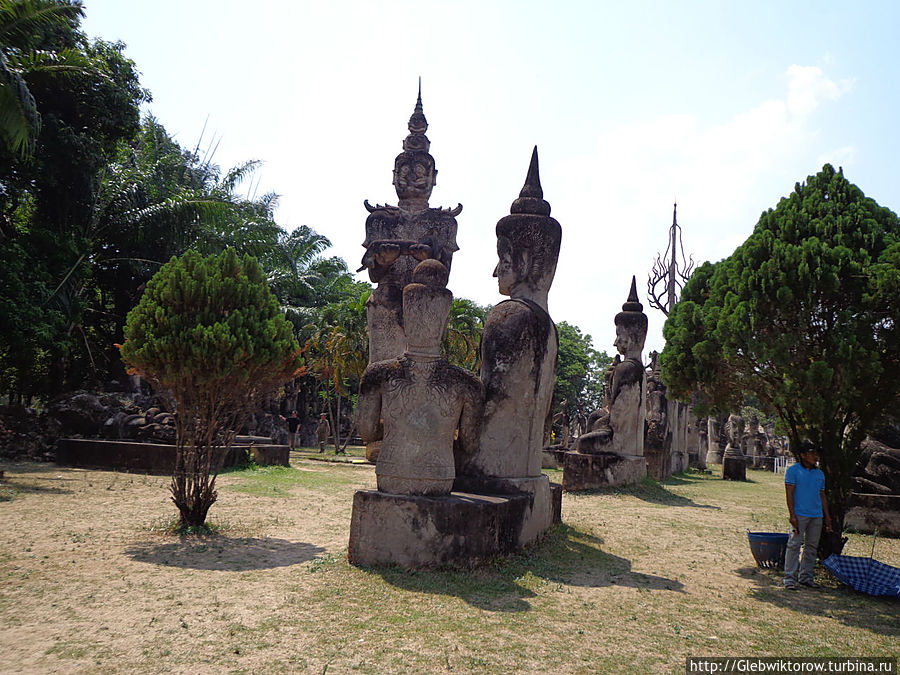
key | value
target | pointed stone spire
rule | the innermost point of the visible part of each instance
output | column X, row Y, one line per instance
column 414, row 172
column 418, row 125
column 531, row 198
column 633, row 304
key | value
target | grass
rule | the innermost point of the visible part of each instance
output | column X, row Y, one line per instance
column 279, row 481
column 634, row 580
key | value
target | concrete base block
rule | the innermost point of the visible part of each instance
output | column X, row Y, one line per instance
column 659, row 463
column 867, row 512
column 413, row 531
column 545, row 505
column 589, row 472
column 734, row 468
column 153, row 458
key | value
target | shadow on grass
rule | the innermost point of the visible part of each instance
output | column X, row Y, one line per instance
column 225, row 554
column 650, row 490
column 49, row 480
column 832, row 599
column 567, row 557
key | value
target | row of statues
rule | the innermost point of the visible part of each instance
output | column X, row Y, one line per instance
column 433, row 424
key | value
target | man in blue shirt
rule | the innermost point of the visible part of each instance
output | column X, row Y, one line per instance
column 804, row 486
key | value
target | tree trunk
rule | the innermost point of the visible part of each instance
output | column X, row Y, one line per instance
column 833, row 542
column 336, row 428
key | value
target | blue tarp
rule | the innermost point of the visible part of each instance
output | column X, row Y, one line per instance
column 866, row 575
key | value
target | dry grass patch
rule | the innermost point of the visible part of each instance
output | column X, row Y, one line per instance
column 634, row 581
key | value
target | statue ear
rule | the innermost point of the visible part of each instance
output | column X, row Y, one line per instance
column 523, row 264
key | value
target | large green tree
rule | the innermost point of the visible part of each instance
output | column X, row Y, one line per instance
column 87, row 95
column 804, row 315
column 24, row 25
column 209, row 331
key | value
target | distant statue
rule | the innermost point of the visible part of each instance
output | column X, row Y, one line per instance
column 398, row 237
column 754, row 443
column 619, row 429
column 418, row 403
column 519, row 344
column 734, row 466
column 702, row 443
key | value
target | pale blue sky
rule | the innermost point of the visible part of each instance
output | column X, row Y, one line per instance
column 720, row 105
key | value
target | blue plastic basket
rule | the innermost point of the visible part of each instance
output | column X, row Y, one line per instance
column 768, row 548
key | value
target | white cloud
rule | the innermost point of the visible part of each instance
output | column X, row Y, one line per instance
column 615, row 205
column 808, row 87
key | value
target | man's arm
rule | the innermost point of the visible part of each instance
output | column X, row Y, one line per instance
column 789, row 495
column 825, row 511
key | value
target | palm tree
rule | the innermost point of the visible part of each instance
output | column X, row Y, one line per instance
column 338, row 352
column 21, row 57
column 462, row 343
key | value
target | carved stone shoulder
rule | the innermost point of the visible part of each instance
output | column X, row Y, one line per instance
column 513, row 327
column 461, row 379
column 379, row 373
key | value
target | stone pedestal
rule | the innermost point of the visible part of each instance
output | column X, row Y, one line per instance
column 589, row 472
column 659, row 463
column 544, row 506
column 734, row 467
column 413, row 531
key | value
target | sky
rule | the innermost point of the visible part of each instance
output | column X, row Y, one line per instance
column 719, row 106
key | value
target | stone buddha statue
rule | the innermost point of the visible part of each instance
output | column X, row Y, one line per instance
column 417, row 404
column 621, row 430
column 734, row 465
column 519, row 345
column 399, row 237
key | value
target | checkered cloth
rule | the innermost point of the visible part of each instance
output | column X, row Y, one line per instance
column 866, row 575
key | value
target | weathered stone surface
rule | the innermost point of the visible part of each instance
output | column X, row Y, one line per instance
column 519, row 345
column 152, row 458
column 538, row 516
column 619, row 429
column 590, row 472
column 419, row 531
column 714, row 450
column 734, row 464
column 416, row 404
column 398, row 237
column 868, row 512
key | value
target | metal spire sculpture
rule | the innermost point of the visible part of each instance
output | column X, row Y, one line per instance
column 670, row 271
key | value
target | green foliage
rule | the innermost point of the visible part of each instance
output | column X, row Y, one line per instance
column 462, row 344
column 209, row 331
column 579, row 376
column 804, row 315
column 87, row 94
column 21, row 56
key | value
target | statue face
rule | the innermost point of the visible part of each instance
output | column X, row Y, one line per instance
column 415, row 179
column 505, row 269
column 626, row 340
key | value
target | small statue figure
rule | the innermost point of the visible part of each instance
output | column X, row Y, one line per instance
column 416, row 404
column 619, row 429
column 734, row 465
column 754, row 443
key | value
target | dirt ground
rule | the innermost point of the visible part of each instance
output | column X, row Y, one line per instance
column 90, row 583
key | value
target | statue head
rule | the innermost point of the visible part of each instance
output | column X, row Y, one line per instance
column 426, row 309
column 631, row 326
column 414, row 172
column 528, row 243
column 734, row 428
